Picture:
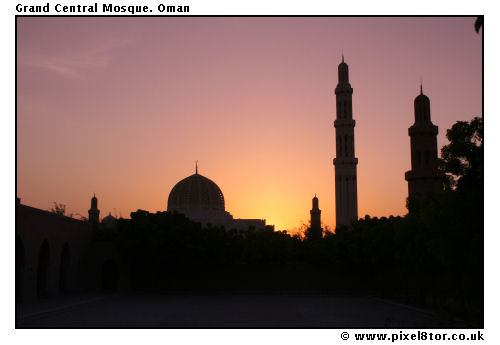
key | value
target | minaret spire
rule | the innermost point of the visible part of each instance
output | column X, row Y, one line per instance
column 345, row 162
column 93, row 211
column 315, row 231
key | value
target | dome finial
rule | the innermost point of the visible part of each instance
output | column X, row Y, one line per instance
column 197, row 167
column 421, row 91
column 342, row 55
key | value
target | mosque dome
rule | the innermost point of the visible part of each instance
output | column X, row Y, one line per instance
column 109, row 221
column 196, row 192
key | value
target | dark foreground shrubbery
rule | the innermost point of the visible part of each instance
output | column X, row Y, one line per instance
column 432, row 257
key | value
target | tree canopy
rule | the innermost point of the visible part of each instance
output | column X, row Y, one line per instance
column 462, row 160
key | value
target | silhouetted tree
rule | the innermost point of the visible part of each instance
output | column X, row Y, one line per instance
column 82, row 218
column 462, row 160
column 441, row 245
column 59, row 209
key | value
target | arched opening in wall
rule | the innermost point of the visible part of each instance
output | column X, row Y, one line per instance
column 19, row 269
column 109, row 276
column 42, row 278
column 64, row 270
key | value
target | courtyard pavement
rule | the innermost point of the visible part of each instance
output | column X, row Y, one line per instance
column 286, row 310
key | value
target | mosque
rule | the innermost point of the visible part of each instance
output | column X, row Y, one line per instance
column 56, row 255
column 201, row 200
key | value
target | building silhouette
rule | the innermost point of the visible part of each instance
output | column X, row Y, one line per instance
column 346, row 190
column 423, row 178
column 57, row 255
column 201, row 200
column 315, row 231
column 109, row 221
column 93, row 211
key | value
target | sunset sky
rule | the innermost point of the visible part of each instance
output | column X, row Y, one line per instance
column 124, row 107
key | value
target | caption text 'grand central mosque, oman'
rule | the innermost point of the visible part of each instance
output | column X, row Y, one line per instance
column 346, row 190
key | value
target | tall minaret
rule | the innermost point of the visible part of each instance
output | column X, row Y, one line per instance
column 315, row 231
column 423, row 178
column 94, row 211
column 346, row 190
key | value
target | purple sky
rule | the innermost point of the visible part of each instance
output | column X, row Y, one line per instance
column 123, row 107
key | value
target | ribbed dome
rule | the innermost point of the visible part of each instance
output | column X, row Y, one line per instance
column 196, row 192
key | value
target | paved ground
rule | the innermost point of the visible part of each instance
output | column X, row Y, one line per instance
column 221, row 311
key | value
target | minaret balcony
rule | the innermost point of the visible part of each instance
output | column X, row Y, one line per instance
column 427, row 129
column 421, row 175
column 344, row 123
column 343, row 88
column 345, row 161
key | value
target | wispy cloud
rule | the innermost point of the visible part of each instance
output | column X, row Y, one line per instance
column 76, row 65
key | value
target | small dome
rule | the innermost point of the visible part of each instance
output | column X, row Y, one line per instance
column 343, row 64
column 109, row 219
column 196, row 192
column 422, row 99
column 343, row 72
column 422, row 107
column 315, row 201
